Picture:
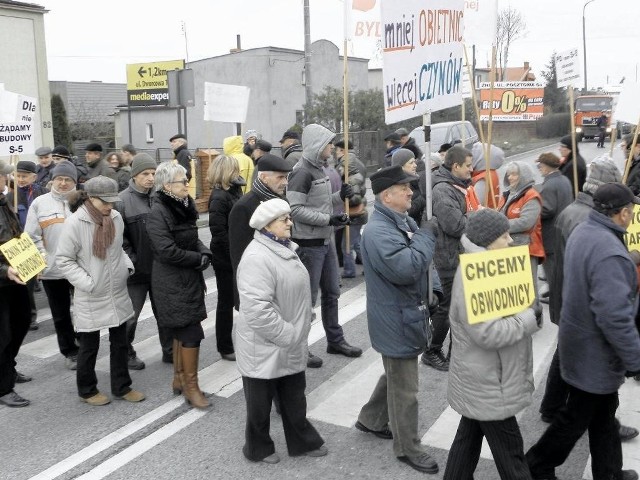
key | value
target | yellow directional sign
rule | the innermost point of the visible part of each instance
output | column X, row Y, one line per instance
column 147, row 82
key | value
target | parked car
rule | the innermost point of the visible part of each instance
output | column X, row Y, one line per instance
column 446, row 132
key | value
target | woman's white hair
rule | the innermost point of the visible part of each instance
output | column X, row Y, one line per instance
column 167, row 172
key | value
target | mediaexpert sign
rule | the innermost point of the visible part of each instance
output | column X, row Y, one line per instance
column 496, row 283
column 147, row 82
column 23, row 255
column 17, row 120
column 512, row 101
column 422, row 56
column 632, row 237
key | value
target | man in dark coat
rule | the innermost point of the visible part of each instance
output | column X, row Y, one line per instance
column 291, row 147
column 567, row 158
column 45, row 166
column 393, row 143
column 181, row 151
column 633, row 178
column 598, row 340
column 410, row 144
column 96, row 164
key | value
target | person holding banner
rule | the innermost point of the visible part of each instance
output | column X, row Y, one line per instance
column 491, row 371
column 15, row 313
column 598, row 341
column 633, row 177
column 567, row 159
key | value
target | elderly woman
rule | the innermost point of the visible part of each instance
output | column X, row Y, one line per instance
column 271, row 335
column 91, row 258
column 522, row 204
column 491, row 371
column 179, row 258
column 226, row 182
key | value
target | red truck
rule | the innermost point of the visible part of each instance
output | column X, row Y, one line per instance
column 588, row 108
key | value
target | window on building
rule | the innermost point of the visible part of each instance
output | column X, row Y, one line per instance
column 149, row 131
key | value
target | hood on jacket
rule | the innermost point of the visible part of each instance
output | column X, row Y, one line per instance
column 314, row 138
column 496, row 157
column 232, row 145
column 526, row 177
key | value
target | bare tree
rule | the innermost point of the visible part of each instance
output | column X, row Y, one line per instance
column 511, row 27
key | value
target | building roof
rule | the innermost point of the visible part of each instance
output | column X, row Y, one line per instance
column 22, row 6
column 513, row 74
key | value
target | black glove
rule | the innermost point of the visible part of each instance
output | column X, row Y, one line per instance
column 346, row 191
column 430, row 225
column 339, row 220
column 537, row 309
column 205, row 261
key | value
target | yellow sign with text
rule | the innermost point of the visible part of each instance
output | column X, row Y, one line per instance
column 496, row 283
column 22, row 254
column 147, row 83
column 632, row 237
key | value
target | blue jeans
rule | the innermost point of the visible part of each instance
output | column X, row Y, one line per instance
column 354, row 244
column 322, row 265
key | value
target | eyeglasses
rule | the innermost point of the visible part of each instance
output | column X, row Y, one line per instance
column 285, row 219
column 185, row 182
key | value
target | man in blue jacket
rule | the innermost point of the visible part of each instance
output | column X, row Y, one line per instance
column 396, row 255
column 598, row 341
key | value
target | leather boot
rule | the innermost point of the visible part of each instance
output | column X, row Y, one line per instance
column 190, row 388
column 177, row 368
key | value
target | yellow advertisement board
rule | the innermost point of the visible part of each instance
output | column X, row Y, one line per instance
column 22, row 254
column 147, row 82
column 632, row 237
column 497, row 283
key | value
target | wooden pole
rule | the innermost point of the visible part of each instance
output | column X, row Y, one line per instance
column 487, row 146
column 345, row 128
column 614, row 134
column 574, row 155
column 14, row 159
column 473, row 97
column 630, row 159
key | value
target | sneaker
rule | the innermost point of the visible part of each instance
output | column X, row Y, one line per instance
column 313, row 361
column 422, row 463
column 13, row 400
column 71, row 362
column 97, row 400
column 132, row 396
column 135, row 363
column 435, row 359
column 318, row 452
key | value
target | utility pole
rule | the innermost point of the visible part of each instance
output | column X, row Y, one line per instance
column 584, row 44
column 308, row 93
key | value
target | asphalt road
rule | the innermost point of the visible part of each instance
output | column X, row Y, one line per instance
column 162, row 438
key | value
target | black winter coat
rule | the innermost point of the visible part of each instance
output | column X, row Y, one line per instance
column 567, row 170
column 183, row 156
column 220, row 204
column 178, row 288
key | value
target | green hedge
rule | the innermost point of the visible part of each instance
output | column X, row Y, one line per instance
column 553, row 125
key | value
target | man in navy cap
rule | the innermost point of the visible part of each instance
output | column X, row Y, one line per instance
column 396, row 255
column 181, row 151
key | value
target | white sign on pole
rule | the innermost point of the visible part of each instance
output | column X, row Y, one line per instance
column 568, row 68
column 225, row 103
column 480, row 22
column 422, row 56
column 17, row 119
column 628, row 107
column 466, row 83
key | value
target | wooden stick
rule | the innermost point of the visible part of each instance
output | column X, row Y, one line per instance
column 574, row 153
column 630, row 159
column 345, row 128
column 487, row 146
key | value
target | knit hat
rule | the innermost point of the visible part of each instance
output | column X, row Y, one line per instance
column 401, row 156
column 141, row 162
column 252, row 133
column 93, row 147
column 267, row 212
column 65, row 169
column 263, row 145
column 549, row 159
column 566, row 141
column 26, row 166
column 104, row 188
column 60, row 151
column 436, row 160
column 601, row 170
column 5, row 168
column 485, row 226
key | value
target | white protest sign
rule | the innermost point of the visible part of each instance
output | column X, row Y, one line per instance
column 628, row 106
column 568, row 68
column 480, row 22
column 466, row 83
column 422, row 56
column 17, row 119
column 225, row 103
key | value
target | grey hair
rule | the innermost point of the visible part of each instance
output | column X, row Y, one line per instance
column 167, row 172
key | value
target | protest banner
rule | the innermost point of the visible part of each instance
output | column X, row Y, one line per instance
column 632, row 237
column 568, row 68
column 22, row 254
column 422, row 56
column 496, row 283
column 512, row 101
column 17, row 120
column 225, row 103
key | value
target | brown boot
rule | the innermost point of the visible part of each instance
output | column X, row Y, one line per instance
column 177, row 367
column 190, row 388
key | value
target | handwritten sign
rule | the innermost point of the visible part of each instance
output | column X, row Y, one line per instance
column 22, row 254
column 632, row 237
column 225, row 103
column 17, row 120
column 422, row 55
column 568, row 68
column 496, row 283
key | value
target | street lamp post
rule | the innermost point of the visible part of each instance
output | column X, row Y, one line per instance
column 584, row 44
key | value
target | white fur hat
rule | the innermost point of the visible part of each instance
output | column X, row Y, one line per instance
column 267, row 212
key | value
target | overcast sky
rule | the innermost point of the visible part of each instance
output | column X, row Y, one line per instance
column 94, row 40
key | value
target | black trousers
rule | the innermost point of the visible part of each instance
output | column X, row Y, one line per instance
column 31, row 287
column 225, row 280
column 300, row 435
column 504, row 439
column 59, row 296
column 440, row 319
column 86, row 373
column 138, row 294
column 584, row 411
column 556, row 390
column 15, row 316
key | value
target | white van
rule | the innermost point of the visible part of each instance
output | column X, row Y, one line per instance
column 446, row 132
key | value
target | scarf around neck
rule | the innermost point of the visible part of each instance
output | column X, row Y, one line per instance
column 104, row 233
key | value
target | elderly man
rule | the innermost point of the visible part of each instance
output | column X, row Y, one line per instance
column 45, row 222
column 181, row 151
column 97, row 165
column 312, row 203
column 134, row 207
column 45, row 166
column 291, row 147
column 598, row 340
column 396, row 255
column 128, row 151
